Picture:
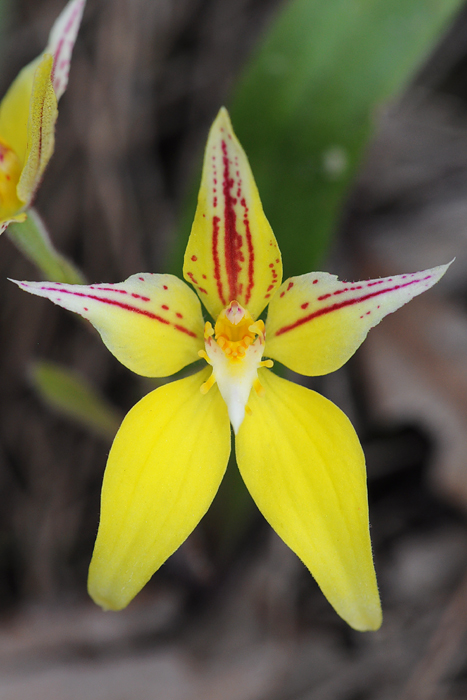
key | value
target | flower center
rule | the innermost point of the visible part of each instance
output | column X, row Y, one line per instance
column 10, row 171
column 234, row 348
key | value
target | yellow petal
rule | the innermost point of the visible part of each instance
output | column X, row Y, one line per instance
column 316, row 323
column 151, row 323
column 14, row 111
column 302, row 463
column 41, row 129
column 164, row 469
column 232, row 253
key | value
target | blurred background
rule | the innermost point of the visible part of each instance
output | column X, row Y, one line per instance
column 354, row 116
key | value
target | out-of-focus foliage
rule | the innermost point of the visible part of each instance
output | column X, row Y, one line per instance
column 32, row 239
column 69, row 393
column 306, row 104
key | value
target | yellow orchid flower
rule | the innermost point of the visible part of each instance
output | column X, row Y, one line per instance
column 297, row 452
column 28, row 113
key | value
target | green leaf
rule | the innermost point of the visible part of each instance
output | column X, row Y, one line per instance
column 308, row 101
column 33, row 240
column 70, row 394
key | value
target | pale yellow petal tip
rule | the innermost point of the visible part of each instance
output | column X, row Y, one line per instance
column 222, row 119
column 364, row 615
column 105, row 597
column 369, row 621
column 223, row 123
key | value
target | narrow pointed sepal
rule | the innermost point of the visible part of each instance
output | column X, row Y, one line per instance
column 61, row 43
column 232, row 253
column 316, row 322
column 151, row 323
column 164, row 469
column 303, row 464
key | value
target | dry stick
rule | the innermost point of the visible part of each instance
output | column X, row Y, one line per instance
column 423, row 684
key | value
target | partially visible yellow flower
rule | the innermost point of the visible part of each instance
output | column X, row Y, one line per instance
column 28, row 113
column 297, row 452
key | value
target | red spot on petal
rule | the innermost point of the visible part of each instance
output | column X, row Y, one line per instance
column 305, row 305
column 164, row 287
column 178, row 315
column 165, row 307
column 194, row 258
column 315, row 281
column 290, row 285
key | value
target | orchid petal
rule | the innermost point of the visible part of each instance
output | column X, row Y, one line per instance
column 303, row 464
column 151, row 323
column 14, row 110
column 164, row 469
column 41, row 130
column 316, row 323
column 232, row 253
column 27, row 119
column 61, row 42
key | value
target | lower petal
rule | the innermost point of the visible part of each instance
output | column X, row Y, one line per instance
column 303, row 464
column 164, row 469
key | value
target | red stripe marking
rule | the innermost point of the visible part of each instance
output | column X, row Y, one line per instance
column 111, row 302
column 185, row 330
column 121, row 305
column 109, row 289
column 251, row 252
column 60, row 43
column 215, row 257
column 232, row 240
column 342, row 304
